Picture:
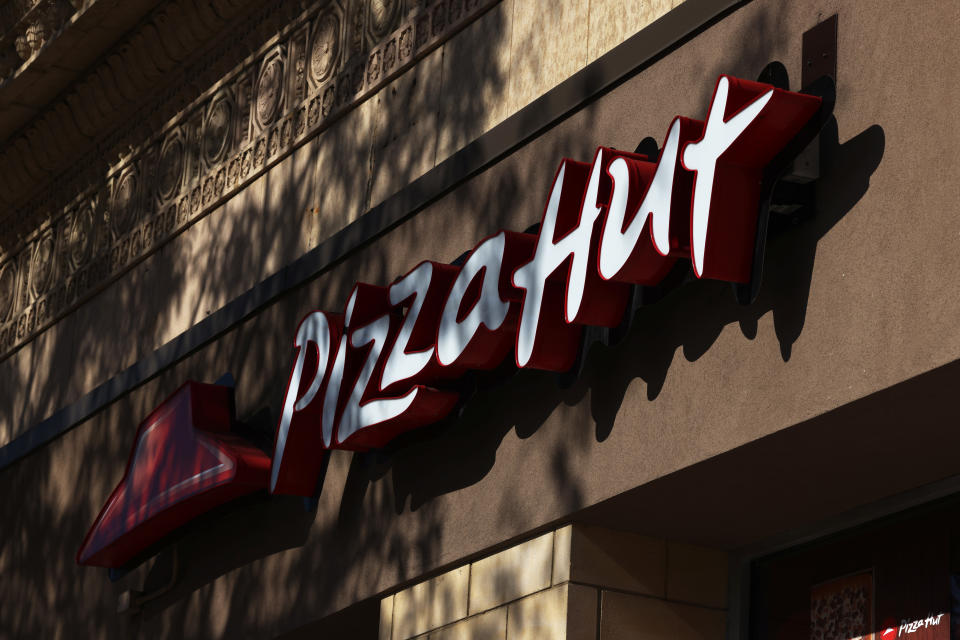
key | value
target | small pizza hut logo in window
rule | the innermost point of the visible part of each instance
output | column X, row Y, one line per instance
column 932, row 627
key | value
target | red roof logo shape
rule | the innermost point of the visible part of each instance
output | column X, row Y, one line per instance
column 184, row 462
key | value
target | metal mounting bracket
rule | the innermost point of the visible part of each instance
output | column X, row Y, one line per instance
column 789, row 181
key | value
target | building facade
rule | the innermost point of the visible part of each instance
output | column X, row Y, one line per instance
column 183, row 181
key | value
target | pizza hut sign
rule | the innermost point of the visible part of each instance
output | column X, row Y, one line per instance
column 365, row 375
column 378, row 368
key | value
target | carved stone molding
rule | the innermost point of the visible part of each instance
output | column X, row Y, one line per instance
column 26, row 26
column 291, row 90
column 127, row 76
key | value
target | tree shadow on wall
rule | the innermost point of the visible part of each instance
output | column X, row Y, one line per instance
column 302, row 200
column 305, row 199
column 461, row 450
column 693, row 316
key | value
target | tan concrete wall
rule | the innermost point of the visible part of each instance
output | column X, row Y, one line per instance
column 576, row 583
column 854, row 302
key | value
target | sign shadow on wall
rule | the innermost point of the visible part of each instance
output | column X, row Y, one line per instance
column 689, row 314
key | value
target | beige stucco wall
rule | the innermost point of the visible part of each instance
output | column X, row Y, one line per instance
column 854, row 302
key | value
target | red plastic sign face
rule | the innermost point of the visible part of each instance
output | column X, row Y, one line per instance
column 384, row 364
column 184, row 462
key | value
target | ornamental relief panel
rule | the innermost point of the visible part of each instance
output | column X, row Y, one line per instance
column 269, row 92
column 356, row 15
column 124, row 208
column 8, row 290
column 42, row 266
column 243, row 95
column 382, row 17
column 325, row 45
column 23, row 269
column 326, row 63
column 217, row 129
column 170, row 173
column 79, row 233
column 297, row 67
column 193, row 129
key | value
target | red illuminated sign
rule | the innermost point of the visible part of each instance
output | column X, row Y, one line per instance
column 383, row 365
column 184, row 462
column 378, row 369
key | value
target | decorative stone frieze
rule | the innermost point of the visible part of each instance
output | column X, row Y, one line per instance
column 318, row 69
column 125, row 78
